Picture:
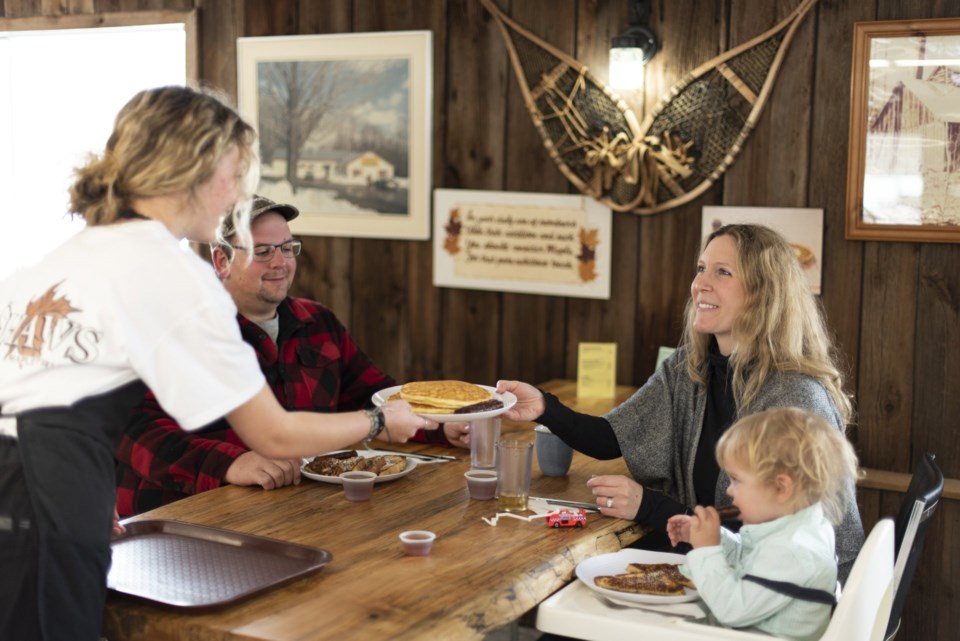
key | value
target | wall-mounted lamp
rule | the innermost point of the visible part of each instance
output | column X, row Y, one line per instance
column 632, row 49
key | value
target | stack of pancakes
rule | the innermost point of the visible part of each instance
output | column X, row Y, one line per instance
column 447, row 397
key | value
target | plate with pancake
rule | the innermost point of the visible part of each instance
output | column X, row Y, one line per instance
column 449, row 401
column 327, row 467
column 633, row 570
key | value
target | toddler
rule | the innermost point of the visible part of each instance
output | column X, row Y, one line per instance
column 787, row 469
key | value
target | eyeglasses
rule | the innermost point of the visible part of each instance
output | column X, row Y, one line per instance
column 263, row 252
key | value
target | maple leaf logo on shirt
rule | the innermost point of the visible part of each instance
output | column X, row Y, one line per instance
column 40, row 311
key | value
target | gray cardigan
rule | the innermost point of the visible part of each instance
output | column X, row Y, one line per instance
column 659, row 427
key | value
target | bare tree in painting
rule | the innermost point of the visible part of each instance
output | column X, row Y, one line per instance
column 294, row 98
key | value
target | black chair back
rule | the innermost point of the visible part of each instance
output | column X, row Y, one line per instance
column 926, row 486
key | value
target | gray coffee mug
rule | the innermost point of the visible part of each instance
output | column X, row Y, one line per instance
column 553, row 455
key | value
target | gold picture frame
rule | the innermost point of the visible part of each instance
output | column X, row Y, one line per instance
column 903, row 175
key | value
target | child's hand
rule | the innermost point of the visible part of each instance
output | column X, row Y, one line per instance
column 704, row 527
column 678, row 529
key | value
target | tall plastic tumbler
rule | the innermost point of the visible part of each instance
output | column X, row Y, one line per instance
column 514, row 463
column 484, row 435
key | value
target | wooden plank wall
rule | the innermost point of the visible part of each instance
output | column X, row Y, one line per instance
column 894, row 307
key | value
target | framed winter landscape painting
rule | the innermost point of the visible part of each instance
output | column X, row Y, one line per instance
column 903, row 178
column 344, row 122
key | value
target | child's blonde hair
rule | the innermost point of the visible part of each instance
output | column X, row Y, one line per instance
column 797, row 443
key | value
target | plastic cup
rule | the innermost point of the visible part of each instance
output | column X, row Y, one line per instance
column 417, row 542
column 482, row 484
column 553, row 455
column 358, row 486
column 484, row 435
column 514, row 460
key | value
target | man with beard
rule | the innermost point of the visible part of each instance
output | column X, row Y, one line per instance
column 309, row 360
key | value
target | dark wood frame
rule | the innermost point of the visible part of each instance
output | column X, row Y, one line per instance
column 856, row 227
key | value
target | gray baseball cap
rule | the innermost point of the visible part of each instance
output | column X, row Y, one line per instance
column 261, row 205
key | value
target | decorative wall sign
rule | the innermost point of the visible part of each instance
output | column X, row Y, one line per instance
column 683, row 145
column 344, row 124
column 522, row 242
column 903, row 178
column 802, row 227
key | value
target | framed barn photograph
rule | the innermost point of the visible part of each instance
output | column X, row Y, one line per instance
column 903, row 177
column 344, row 122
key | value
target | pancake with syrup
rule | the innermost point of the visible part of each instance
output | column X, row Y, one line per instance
column 444, row 397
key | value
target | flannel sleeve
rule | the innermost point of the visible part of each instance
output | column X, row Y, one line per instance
column 160, row 453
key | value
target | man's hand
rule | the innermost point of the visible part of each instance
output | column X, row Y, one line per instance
column 252, row 469
column 457, row 434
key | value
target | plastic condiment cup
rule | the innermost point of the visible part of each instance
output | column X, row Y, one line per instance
column 358, row 486
column 482, row 484
column 417, row 542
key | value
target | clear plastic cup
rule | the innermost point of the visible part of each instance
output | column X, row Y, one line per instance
column 358, row 486
column 484, row 435
column 482, row 484
column 417, row 542
column 514, row 462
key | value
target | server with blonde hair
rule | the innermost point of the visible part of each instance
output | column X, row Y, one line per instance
column 120, row 303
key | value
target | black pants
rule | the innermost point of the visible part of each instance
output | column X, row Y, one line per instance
column 18, row 550
column 57, row 488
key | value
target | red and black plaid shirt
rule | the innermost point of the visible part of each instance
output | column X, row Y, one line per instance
column 314, row 366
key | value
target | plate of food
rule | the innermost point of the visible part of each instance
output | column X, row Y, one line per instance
column 328, row 467
column 449, row 401
column 631, row 577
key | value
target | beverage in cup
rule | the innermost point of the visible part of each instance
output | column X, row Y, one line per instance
column 484, row 435
column 514, row 462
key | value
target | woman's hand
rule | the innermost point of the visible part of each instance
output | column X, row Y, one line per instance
column 401, row 423
column 457, row 434
column 617, row 495
column 678, row 529
column 530, row 405
column 704, row 527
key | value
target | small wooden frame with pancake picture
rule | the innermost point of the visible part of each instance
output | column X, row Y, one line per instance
column 552, row 244
column 801, row 226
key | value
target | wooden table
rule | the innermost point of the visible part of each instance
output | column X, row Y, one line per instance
column 478, row 577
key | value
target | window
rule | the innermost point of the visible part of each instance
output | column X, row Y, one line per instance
column 59, row 93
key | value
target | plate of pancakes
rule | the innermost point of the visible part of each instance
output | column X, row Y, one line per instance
column 449, row 401
column 631, row 577
column 327, row 468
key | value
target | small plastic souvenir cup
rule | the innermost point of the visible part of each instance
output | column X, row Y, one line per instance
column 482, row 484
column 358, row 486
column 417, row 542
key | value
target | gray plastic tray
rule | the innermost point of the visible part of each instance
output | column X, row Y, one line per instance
column 196, row 566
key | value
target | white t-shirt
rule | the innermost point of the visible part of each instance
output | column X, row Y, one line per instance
column 118, row 303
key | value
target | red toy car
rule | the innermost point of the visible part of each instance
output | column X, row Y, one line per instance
column 566, row 518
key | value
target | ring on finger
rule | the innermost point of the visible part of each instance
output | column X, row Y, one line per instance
column 609, row 501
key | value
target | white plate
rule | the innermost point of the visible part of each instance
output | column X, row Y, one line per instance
column 509, row 400
column 617, row 562
column 411, row 463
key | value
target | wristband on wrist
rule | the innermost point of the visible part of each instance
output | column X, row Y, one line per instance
column 377, row 422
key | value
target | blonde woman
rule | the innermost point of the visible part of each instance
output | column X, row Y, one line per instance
column 788, row 471
column 118, row 306
column 754, row 339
